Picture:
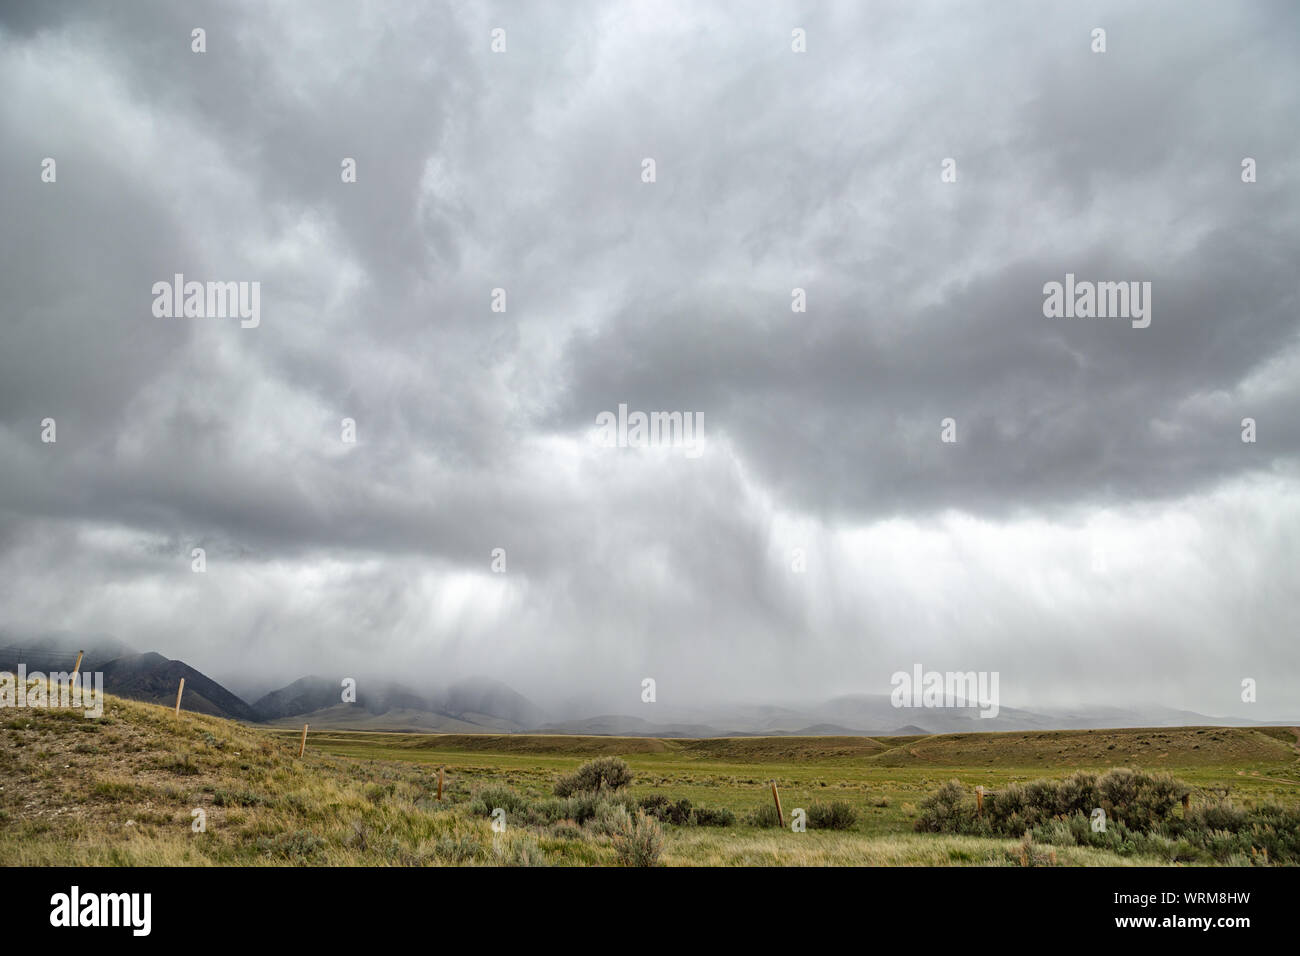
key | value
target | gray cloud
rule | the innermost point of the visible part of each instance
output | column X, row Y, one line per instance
column 775, row 170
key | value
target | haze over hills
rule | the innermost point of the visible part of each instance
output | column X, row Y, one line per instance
column 466, row 706
column 483, row 705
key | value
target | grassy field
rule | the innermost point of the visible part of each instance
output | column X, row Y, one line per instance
column 124, row 789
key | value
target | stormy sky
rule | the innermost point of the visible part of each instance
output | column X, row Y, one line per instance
column 1098, row 533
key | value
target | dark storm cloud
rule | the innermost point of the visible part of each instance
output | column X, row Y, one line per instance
column 521, row 171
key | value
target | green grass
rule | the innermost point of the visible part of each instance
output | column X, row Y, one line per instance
column 369, row 798
column 1257, row 765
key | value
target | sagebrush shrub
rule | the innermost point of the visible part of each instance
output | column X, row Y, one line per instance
column 486, row 799
column 712, row 817
column 524, row 852
column 665, row 810
column 461, row 850
column 1142, row 801
column 836, row 815
column 594, row 776
column 609, row 819
column 1219, row 815
column 640, row 841
column 565, row 830
column 298, row 845
column 582, row 807
column 1141, row 818
column 948, row 810
column 1030, row 853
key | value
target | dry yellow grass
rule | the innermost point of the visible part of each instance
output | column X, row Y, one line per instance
column 123, row 790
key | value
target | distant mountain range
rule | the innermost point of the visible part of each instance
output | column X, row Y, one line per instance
column 483, row 705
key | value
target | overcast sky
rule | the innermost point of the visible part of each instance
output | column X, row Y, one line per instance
column 1097, row 533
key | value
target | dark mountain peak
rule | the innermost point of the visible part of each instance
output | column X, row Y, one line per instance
column 154, row 678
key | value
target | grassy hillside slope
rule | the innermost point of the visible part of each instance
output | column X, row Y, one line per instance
column 123, row 790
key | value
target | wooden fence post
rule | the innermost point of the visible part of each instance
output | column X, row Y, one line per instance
column 439, row 784
column 302, row 747
column 179, row 690
column 979, row 800
column 780, row 817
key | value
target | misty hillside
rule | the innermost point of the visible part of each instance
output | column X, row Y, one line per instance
column 482, row 695
column 473, row 702
column 483, row 705
column 57, row 650
column 309, row 694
